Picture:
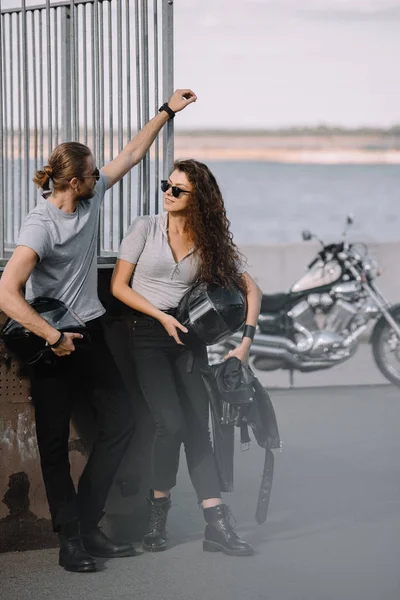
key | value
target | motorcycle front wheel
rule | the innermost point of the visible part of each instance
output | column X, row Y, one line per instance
column 386, row 351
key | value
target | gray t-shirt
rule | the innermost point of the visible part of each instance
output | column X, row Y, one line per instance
column 66, row 244
column 157, row 275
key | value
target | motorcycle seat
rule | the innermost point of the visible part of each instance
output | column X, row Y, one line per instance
column 273, row 302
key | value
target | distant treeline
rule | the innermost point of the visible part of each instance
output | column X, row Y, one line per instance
column 321, row 130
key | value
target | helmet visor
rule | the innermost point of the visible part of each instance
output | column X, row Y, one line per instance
column 207, row 323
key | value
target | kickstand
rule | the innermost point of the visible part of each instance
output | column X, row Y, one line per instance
column 291, row 379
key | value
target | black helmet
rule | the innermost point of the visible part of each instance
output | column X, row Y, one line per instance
column 29, row 347
column 211, row 312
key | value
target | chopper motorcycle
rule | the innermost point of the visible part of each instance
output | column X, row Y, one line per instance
column 319, row 322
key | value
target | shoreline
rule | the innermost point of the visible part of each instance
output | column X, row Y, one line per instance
column 273, row 148
column 301, row 156
column 303, row 149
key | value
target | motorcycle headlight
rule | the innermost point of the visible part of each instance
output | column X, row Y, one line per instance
column 371, row 268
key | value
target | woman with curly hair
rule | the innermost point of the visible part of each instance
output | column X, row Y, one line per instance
column 159, row 260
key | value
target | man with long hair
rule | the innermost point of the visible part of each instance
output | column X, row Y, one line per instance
column 56, row 257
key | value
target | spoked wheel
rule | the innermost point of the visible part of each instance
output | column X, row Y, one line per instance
column 386, row 350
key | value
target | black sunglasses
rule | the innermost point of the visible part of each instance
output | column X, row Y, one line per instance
column 95, row 175
column 176, row 192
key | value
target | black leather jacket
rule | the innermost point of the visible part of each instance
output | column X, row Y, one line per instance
column 237, row 398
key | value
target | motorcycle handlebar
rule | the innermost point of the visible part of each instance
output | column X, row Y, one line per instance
column 322, row 255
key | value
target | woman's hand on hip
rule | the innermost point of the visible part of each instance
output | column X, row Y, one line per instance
column 172, row 325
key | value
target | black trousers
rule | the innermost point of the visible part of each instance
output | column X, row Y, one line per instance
column 90, row 376
column 170, row 379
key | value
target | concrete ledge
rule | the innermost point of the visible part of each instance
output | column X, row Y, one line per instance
column 277, row 266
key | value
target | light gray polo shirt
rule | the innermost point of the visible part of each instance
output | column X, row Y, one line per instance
column 66, row 244
column 157, row 275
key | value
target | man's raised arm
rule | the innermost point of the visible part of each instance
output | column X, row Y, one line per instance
column 136, row 149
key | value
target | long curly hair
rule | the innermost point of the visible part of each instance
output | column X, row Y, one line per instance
column 207, row 226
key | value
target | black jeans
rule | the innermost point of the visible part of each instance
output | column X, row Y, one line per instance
column 88, row 374
column 170, row 379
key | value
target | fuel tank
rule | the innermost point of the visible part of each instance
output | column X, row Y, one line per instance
column 318, row 276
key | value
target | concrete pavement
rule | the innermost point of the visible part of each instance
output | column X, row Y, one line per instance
column 333, row 530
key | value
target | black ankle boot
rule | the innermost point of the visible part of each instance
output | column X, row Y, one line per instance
column 98, row 544
column 155, row 539
column 220, row 535
column 73, row 556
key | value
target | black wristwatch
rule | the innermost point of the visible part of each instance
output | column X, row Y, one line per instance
column 167, row 109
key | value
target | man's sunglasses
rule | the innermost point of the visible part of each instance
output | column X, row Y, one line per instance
column 176, row 192
column 95, row 175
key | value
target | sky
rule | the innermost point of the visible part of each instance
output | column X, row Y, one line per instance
column 274, row 63
column 279, row 63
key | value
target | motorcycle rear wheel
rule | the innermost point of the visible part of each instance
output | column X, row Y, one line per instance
column 386, row 349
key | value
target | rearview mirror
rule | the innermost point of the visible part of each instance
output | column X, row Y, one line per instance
column 307, row 235
column 350, row 219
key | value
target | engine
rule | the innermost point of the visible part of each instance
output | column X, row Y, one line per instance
column 322, row 324
column 304, row 316
column 340, row 316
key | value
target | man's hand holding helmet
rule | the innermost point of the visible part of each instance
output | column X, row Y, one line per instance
column 63, row 342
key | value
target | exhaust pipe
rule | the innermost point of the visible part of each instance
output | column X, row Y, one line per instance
column 263, row 341
column 291, row 361
column 274, row 347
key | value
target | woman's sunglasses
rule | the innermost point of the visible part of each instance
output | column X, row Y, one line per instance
column 176, row 192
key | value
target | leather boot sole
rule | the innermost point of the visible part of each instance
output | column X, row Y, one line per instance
column 79, row 568
column 215, row 547
column 124, row 554
column 153, row 548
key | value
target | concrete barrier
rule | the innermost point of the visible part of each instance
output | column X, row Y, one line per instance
column 24, row 516
column 276, row 267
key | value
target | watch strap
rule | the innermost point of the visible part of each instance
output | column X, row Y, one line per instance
column 167, row 109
